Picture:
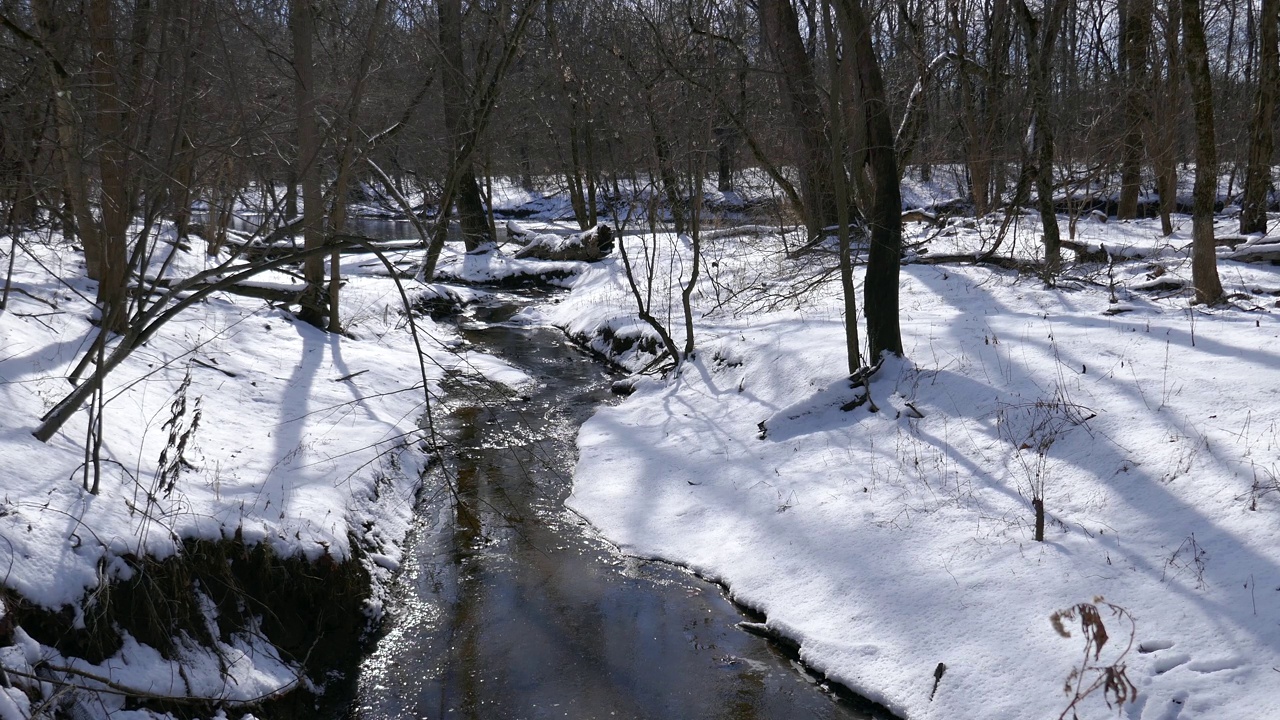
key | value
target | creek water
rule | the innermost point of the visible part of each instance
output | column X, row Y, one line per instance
column 510, row 606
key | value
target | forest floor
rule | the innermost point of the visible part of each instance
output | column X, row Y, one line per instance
column 895, row 541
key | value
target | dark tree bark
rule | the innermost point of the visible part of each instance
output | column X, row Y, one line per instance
column 74, row 185
column 852, row 344
column 114, row 199
column 579, row 167
column 478, row 103
column 1041, row 35
column 1135, row 42
column 726, row 149
column 347, row 159
column 472, row 218
column 1164, row 155
column 1257, row 183
column 302, row 25
column 667, row 174
column 1204, row 259
column 981, row 99
column 880, row 293
column 780, row 27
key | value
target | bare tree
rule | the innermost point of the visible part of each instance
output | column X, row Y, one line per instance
column 474, row 100
column 1204, row 259
column 781, row 30
column 880, row 303
column 1040, row 35
column 302, row 25
column 1257, row 184
column 1135, row 41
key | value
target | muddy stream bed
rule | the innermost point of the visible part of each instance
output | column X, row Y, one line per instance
column 511, row 606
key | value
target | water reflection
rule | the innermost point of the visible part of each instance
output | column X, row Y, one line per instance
column 510, row 608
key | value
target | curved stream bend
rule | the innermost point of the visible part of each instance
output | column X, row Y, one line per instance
column 510, row 607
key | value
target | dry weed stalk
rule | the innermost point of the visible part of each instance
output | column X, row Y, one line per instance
column 1092, row 675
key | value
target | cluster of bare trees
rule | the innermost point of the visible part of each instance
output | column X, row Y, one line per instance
column 118, row 115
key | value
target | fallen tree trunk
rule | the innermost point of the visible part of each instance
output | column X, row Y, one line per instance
column 999, row 261
column 1262, row 252
column 589, row 245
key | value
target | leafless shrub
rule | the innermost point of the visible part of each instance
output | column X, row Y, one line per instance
column 1266, row 481
column 1188, row 556
column 1032, row 429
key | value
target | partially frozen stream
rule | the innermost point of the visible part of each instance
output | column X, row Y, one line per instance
column 511, row 607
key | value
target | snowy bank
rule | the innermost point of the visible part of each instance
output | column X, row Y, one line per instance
column 257, row 479
column 896, row 547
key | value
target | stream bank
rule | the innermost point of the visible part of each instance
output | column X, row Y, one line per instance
column 510, row 605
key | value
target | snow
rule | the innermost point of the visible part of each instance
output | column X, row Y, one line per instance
column 304, row 441
column 884, row 537
column 888, row 542
column 490, row 264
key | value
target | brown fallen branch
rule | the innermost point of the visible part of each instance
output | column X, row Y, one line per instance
column 999, row 261
column 1084, row 253
column 211, row 366
column 35, row 297
column 272, row 295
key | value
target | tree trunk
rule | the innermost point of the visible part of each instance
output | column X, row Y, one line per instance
column 852, row 343
column 1204, row 259
column 726, row 148
column 473, row 218
column 1135, row 41
column 573, row 174
column 780, row 26
column 589, row 153
column 457, row 115
column 880, row 294
column 478, row 104
column 1165, row 152
column 981, row 97
column 347, row 160
column 115, row 201
column 291, row 192
column 1041, row 36
column 667, row 174
column 1257, row 183
column 302, row 24
column 75, row 191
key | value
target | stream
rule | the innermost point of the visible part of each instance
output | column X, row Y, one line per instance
column 511, row 606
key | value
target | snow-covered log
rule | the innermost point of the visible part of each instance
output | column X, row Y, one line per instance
column 1260, row 252
column 588, row 245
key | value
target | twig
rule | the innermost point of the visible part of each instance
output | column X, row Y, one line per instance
column 211, row 366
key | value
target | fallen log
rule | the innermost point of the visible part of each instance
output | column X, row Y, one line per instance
column 589, row 245
column 1084, row 253
column 920, row 215
column 999, row 261
column 1262, row 252
column 279, row 295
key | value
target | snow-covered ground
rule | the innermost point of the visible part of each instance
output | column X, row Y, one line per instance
column 895, row 546
column 289, row 436
column 892, row 543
